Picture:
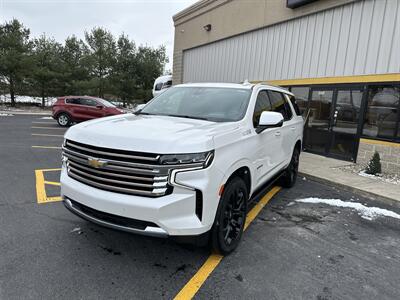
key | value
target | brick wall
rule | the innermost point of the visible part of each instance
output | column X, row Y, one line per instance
column 389, row 153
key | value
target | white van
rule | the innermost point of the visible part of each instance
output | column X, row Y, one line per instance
column 161, row 84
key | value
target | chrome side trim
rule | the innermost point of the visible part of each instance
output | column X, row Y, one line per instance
column 150, row 231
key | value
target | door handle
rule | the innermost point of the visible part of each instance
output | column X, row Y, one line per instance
column 277, row 133
column 293, row 128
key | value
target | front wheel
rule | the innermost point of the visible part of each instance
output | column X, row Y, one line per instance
column 231, row 216
column 64, row 120
column 289, row 178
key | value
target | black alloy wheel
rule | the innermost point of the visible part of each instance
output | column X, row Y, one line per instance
column 231, row 217
column 290, row 176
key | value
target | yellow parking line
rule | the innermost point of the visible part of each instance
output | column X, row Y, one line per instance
column 52, row 183
column 41, row 195
column 40, row 188
column 53, row 199
column 43, row 134
column 195, row 283
column 51, row 170
column 46, row 147
column 40, row 127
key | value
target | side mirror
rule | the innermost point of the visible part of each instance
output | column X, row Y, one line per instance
column 99, row 106
column 269, row 119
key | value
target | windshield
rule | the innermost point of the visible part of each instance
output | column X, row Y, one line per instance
column 206, row 103
column 105, row 102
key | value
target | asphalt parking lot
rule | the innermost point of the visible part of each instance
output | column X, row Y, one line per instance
column 291, row 250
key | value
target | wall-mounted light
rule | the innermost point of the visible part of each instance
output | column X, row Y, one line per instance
column 207, row 27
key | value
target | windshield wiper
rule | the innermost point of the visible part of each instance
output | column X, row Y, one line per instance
column 188, row 117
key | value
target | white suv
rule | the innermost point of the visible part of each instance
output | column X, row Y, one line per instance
column 186, row 164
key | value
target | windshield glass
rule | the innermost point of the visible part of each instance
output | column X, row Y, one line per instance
column 105, row 102
column 208, row 103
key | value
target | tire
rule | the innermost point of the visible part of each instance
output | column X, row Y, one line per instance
column 64, row 120
column 230, row 218
column 288, row 180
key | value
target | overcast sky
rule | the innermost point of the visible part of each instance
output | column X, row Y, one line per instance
column 145, row 21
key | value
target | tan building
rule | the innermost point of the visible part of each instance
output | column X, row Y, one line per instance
column 340, row 57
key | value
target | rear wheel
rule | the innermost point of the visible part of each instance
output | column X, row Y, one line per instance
column 64, row 120
column 289, row 178
column 231, row 216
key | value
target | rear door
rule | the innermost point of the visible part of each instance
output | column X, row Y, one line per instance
column 93, row 108
column 288, row 130
column 76, row 109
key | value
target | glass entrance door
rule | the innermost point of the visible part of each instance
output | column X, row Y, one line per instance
column 346, row 114
column 319, row 120
column 332, row 124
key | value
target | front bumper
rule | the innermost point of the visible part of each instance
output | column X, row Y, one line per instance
column 173, row 214
column 112, row 221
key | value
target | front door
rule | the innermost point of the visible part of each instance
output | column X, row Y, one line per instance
column 332, row 123
column 343, row 130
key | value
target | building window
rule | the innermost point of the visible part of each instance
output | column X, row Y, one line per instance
column 382, row 118
column 301, row 94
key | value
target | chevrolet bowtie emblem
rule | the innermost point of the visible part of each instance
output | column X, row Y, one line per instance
column 96, row 163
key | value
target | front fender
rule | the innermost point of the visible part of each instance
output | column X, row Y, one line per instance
column 234, row 167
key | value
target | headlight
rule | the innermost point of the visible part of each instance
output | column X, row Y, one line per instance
column 204, row 158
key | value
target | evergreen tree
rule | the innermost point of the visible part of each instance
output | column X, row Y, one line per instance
column 15, row 62
column 151, row 63
column 46, row 75
column 124, row 70
column 76, row 66
column 102, row 56
column 374, row 166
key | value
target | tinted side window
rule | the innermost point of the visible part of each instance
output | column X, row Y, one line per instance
column 73, row 101
column 279, row 104
column 89, row 102
column 262, row 104
column 158, row 86
column 294, row 104
column 167, row 84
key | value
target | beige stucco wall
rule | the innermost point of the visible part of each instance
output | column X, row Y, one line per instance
column 231, row 17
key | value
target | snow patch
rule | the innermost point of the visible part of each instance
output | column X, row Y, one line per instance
column 365, row 212
column 49, row 101
column 46, row 118
column 6, row 115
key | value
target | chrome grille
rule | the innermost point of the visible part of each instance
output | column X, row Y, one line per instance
column 121, row 171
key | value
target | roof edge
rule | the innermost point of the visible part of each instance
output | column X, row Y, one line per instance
column 191, row 9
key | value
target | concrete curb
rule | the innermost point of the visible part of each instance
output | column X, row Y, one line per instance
column 351, row 189
column 25, row 113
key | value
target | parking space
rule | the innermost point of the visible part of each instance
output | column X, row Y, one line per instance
column 290, row 250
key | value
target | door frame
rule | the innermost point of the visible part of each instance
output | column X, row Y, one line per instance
column 363, row 88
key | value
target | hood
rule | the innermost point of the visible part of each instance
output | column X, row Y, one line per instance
column 155, row 134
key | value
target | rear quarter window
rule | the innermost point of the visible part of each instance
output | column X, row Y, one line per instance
column 294, row 104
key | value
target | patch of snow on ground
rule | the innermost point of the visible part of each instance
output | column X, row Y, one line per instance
column 6, row 115
column 369, row 213
column 46, row 118
column 391, row 179
column 49, row 101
